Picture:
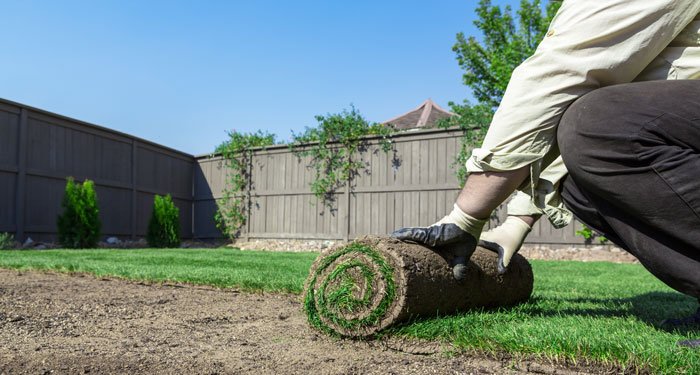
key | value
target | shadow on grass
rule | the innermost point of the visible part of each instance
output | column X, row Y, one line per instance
column 651, row 308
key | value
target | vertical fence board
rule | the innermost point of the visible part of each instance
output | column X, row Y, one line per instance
column 9, row 136
column 20, row 192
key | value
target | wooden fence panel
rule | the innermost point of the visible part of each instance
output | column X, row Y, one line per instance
column 415, row 184
column 39, row 150
column 9, row 134
column 8, row 183
column 209, row 176
column 43, row 204
column 9, row 137
column 282, row 203
column 405, row 187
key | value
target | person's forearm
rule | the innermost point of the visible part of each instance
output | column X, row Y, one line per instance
column 530, row 220
column 483, row 192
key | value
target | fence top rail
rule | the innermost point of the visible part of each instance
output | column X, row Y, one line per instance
column 453, row 131
column 93, row 126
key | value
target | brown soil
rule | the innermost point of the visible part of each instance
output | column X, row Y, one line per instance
column 56, row 323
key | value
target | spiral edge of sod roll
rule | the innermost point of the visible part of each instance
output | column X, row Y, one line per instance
column 338, row 312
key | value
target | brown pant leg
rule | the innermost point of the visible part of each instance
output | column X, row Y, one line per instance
column 633, row 155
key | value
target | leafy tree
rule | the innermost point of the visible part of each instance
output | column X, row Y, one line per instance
column 236, row 202
column 489, row 61
column 506, row 42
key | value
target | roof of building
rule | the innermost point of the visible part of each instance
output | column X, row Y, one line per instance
column 424, row 116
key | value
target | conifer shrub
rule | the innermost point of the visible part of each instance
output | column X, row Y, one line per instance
column 7, row 241
column 79, row 225
column 164, row 226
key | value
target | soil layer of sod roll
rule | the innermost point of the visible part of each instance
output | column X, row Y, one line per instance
column 358, row 289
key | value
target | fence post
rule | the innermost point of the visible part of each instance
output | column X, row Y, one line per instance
column 21, row 193
column 193, row 200
column 346, row 226
column 249, row 200
column 134, row 163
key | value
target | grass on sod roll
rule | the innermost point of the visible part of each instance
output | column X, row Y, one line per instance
column 342, row 298
column 580, row 311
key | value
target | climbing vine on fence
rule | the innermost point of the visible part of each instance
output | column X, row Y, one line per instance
column 237, row 153
column 333, row 146
column 473, row 120
column 589, row 235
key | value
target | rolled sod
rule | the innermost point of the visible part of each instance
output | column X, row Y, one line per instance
column 356, row 290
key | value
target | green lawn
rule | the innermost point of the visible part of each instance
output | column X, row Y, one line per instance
column 599, row 311
column 224, row 267
column 602, row 311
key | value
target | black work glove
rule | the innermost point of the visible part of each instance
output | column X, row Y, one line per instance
column 456, row 235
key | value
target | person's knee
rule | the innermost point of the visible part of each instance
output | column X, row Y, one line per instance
column 585, row 127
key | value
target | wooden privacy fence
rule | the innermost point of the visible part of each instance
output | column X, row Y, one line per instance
column 413, row 185
column 38, row 150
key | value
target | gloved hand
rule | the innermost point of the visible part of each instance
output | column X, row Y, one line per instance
column 456, row 233
column 506, row 240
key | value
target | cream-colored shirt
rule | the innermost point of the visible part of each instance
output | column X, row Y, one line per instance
column 590, row 44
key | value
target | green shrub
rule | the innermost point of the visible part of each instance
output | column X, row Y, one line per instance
column 79, row 225
column 589, row 235
column 164, row 227
column 7, row 241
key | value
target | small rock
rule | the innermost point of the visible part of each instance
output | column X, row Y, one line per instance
column 40, row 246
column 113, row 241
column 28, row 242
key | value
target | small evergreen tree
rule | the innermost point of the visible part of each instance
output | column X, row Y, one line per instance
column 7, row 241
column 164, row 226
column 79, row 225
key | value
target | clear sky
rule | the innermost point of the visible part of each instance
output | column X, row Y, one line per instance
column 182, row 73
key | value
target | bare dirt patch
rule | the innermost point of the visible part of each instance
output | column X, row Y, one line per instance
column 57, row 323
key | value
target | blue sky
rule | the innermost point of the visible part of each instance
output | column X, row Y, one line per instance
column 182, row 73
